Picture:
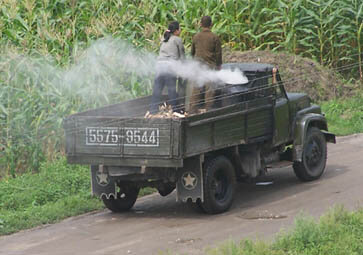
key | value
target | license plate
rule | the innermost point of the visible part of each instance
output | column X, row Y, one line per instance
column 127, row 136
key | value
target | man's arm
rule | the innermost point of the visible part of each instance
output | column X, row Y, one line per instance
column 218, row 53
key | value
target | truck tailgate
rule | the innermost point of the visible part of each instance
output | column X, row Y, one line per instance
column 122, row 137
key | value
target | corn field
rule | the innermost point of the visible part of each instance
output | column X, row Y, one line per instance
column 38, row 38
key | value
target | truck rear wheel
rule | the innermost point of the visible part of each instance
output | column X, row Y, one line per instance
column 219, row 183
column 314, row 156
column 126, row 198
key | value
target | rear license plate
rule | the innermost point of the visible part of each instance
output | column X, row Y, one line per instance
column 127, row 136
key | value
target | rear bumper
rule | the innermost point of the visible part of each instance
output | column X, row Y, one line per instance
column 118, row 161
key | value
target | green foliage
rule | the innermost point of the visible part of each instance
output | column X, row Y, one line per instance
column 11, row 221
column 146, row 191
column 54, row 181
column 59, row 190
column 329, row 31
column 337, row 232
column 345, row 116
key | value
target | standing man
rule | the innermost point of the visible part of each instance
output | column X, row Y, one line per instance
column 206, row 48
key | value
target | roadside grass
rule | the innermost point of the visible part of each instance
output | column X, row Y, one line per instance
column 57, row 191
column 344, row 117
column 337, row 232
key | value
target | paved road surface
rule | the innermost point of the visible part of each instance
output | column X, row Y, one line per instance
column 159, row 224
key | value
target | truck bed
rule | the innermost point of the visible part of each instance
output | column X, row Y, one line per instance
column 120, row 135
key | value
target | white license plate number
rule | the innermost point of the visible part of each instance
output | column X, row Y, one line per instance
column 128, row 136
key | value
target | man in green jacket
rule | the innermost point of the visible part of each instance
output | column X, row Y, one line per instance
column 206, row 47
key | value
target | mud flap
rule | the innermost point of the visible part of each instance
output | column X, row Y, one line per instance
column 329, row 137
column 102, row 183
column 251, row 162
column 190, row 180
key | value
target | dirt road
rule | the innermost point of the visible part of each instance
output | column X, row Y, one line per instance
column 158, row 225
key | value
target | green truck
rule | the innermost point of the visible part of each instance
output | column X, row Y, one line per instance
column 203, row 156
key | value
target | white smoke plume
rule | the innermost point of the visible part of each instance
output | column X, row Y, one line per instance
column 200, row 74
column 117, row 55
column 103, row 72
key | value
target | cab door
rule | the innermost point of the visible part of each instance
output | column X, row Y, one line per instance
column 281, row 132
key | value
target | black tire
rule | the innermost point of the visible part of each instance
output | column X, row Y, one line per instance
column 126, row 199
column 314, row 156
column 219, row 181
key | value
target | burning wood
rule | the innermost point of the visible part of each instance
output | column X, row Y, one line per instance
column 165, row 112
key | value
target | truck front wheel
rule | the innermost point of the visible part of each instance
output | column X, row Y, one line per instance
column 126, row 198
column 314, row 156
column 219, row 183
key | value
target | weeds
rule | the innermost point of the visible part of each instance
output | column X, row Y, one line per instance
column 58, row 191
column 345, row 116
column 337, row 232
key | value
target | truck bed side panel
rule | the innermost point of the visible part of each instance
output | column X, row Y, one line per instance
column 230, row 131
column 237, row 124
column 259, row 124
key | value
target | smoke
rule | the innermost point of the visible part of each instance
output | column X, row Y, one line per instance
column 112, row 70
column 110, row 57
column 110, row 67
column 200, row 74
column 113, row 55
